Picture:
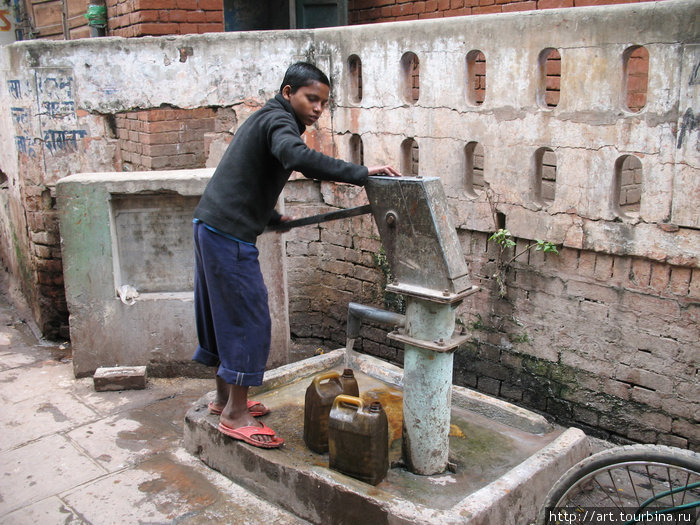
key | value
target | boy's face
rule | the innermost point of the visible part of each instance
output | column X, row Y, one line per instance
column 308, row 102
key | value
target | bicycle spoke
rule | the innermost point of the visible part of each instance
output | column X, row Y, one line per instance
column 632, row 484
column 670, row 485
column 651, row 482
column 605, row 491
column 685, row 491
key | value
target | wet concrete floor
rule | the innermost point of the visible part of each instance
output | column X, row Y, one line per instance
column 71, row 455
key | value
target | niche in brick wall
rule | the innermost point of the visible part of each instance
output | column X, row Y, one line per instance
column 355, row 78
column 410, row 77
column 476, row 77
column 636, row 77
column 474, row 168
column 549, row 64
column 357, row 152
column 545, row 180
column 409, row 157
column 627, row 191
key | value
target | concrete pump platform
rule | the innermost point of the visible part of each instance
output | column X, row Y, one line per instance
column 503, row 458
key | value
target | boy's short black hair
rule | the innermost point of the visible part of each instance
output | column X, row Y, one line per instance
column 302, row 74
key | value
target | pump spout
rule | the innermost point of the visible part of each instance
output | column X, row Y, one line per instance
column 360, row 312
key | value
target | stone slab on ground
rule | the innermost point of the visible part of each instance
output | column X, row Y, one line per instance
column 120, row 378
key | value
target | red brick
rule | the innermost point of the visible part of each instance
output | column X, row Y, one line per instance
column 150, row 15
column 637, row 83
column 422, row 16
column 660, row 276
column 177, row 15
column 456, row 4
column 153, row 4
column 636, row 101
column 554, row 4
column 157, row 29
column 194, row 16
column 214, row 16
column 214, row 27
column 124, row 9
column 211, row 5
column 694, row 291
column 120, row 21
column 487, row 2
column 582, row 3
column 443, row 5
column 417, row 7
column 680, row 280
column 553, row 65
column 402, row 10
column 187, row 4
column 486, row 10
column 462, row 11
column 638, row 65
column 552, row 83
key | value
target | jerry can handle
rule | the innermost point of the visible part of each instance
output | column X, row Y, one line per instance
column 322, row 377
column 350, row 400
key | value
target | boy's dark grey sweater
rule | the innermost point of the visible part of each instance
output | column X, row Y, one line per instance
column 241, row 195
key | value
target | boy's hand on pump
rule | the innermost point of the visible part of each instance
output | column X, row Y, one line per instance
column 384, row 170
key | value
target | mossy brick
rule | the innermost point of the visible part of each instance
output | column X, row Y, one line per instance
column 488, row 385
column 512, row 392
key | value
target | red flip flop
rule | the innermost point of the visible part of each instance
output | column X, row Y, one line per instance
column 246, row 434
column 256, row 408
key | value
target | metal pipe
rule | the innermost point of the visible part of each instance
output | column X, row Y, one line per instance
column 359, row 312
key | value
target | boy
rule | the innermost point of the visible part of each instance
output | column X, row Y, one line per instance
column 233, row 320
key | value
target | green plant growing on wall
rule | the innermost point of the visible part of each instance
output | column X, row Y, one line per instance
column 503, row 238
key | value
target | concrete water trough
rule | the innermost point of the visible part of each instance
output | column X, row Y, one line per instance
column 502, row 459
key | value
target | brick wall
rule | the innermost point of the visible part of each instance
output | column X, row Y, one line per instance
column 132, row 18
column 42, row 225
column 633, row 378
column 170, row 138
column 373, row 11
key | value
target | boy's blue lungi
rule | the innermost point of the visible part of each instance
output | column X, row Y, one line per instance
column 231, row 311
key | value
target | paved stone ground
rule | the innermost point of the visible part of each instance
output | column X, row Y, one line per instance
column 71, row 455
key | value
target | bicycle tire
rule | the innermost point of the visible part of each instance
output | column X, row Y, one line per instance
column 633, row 461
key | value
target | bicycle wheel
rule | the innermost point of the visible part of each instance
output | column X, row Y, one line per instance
column 627, row 485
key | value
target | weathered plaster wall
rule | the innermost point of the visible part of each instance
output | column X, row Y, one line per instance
column 605, row 335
